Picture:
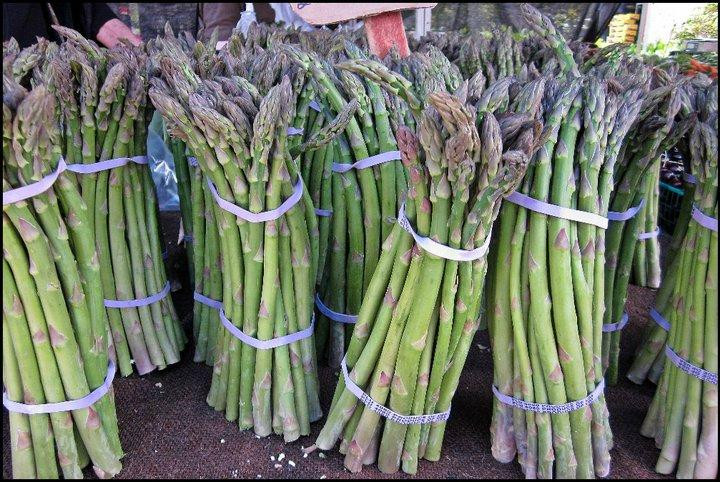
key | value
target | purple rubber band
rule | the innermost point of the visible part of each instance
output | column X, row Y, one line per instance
column 548, row 407
column 625, row 215
column 200, row 298
column 326, row 213
column 314, row 106
column 265, row 344
column 140, row 301
column 264, row 216
column 557, row 211
column 334, row 315
column 165, row 254
column 39, row 187
column 650, row 235
column 704, row 220
column 689, row 368
column 66, row 406
column 295, row 131
column 659, row 319
column 385, row 412
column 610, row 327
column 192, row 161
column 381, row 158
column 689, row 178
column 440, row 249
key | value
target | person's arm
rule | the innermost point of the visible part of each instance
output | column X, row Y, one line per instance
column 107, row 28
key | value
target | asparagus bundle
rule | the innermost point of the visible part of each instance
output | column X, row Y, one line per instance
column 411, row 339
column 665, row 117
column 55, row 331
column 102, row 96
column 363, row 200
column 646, row 262
column 682, row 417
column 240, row 140
column 650, row 358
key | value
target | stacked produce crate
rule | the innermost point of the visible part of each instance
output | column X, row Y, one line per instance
column 623, row 28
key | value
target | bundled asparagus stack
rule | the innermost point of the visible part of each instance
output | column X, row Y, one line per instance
column 646, row 263
column 240, row 140
column 664, row 119
column 412, row 338
column 546, row 308
column 102, row 97
column 650, row 357
column 55, row 331
column 683, row 415
column 363, row 199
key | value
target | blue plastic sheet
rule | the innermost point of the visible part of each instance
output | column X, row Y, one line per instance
column 162, row 167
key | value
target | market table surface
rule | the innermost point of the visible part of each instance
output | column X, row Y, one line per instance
column 168, row 431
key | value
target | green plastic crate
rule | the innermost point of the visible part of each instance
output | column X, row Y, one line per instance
column 670, row 200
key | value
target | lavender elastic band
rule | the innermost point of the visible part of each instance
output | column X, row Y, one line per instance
column 295, row 131
column 199, row 297
column 141, row 301
column 625, row 215
column 659, row 319
column 165, row 254
column 334, row 315
column 265, row 344
column 549, row 407
column 68, row 405
column 39, row 187
column 704, row 220
column 651, row 234
column 263, row 216
column 192, row 161
column 610, row 327
column 383, row 411
column 314, row 106
column 689, row 178
column 326, row 213
column 689, row 368
column 557, row 211
column 440, row 249
column 381, row 158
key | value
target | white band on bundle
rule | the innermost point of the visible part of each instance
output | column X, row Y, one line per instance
column 625, row 215
column 265, row 344
column 440, row 249
column 650, row 235
column 381, row 158
column 557, row 211
column 201, row 298
column 385, row 412
column 325, row 213
column 610, row 327
column 334, row 315
column 136, row 303
column 550, row 407
column 689, row 368
column 704, row 220
column 39, row 187
column 79, row 404
column 264, row 216
column 659, row 319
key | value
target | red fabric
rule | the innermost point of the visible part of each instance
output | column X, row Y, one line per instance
column 385, row 31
